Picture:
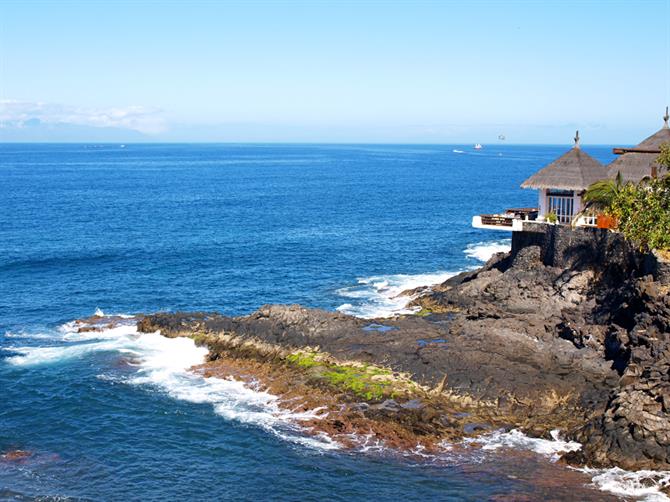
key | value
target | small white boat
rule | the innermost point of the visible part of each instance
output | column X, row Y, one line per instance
column 478, row 146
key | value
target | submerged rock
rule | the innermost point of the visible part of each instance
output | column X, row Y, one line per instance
column 15, row 455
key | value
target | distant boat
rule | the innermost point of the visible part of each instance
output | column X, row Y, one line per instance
column 458, row 151
column 478, row 146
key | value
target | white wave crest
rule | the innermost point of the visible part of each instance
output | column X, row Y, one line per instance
column 483, row 251
column 380, row 296
column 34, row 356
column 30, row 336
column 165, row 364
column 518, row 440
column 99, row 313
column 113, row 333
column 642, row 485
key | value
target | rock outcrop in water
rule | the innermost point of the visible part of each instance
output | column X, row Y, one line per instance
column 518, row 343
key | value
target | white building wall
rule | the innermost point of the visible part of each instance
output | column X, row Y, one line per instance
column 578, row 202
column 542, row 202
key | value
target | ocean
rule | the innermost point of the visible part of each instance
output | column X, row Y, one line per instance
column 140, row 228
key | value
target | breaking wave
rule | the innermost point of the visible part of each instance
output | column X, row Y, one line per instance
column 518, row 440
column 642, row 485
column 483, row 251
column 381, row 295
column 165, row 364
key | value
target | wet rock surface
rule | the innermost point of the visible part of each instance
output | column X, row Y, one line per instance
column 516, row 343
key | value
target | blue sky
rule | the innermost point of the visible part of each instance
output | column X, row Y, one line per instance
column 348, row 71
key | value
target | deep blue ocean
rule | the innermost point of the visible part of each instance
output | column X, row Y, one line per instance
column 143, row 228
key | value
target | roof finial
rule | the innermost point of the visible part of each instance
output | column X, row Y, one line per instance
column 576, row 139
column 665, row 118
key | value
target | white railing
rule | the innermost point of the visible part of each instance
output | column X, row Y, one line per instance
column 586, row 221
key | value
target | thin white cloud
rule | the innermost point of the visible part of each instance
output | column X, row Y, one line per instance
column 18, row 114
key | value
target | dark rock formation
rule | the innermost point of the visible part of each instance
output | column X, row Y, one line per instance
column 615, row 317
column 565, row 332
column 634, row 430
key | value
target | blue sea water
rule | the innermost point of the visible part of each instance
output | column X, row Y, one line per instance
column 143, row 228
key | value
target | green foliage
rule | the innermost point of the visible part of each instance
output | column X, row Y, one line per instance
column 642, row 210
column 601, row 194
column 551, row 217
column 664, row 157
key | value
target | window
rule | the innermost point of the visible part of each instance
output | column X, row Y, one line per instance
column 562, row 204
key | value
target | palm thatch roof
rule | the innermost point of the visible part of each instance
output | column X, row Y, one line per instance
column 638, row 162
column 574, row 170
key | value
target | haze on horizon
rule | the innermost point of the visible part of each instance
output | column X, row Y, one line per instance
column 368, row 71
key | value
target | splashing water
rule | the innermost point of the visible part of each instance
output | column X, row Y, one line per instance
column 483, row 251
column 164, row 364
column 382, row 296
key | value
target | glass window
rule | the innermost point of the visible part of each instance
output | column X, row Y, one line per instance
column 563, row 207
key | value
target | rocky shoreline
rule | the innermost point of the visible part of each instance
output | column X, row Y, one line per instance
column 516, row 344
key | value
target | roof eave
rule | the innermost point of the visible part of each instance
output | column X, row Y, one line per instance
column 557, row 186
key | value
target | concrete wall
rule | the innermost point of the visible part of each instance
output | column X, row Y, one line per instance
column 588, row 247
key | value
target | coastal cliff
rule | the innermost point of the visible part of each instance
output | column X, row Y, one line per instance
column 549, row 336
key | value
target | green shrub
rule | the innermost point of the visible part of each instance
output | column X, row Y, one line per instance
column 642, row 210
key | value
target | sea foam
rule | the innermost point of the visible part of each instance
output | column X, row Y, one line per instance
column 380, row 296
column 164, row 364
column 518, row 440
column 642, row 485
column 483, row 251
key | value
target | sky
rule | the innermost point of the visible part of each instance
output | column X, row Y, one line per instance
column 334, row 71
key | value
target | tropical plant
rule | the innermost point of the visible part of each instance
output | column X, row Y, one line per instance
column 551, row 217
column 642, row 211
column 664, row 158
column 600, row 195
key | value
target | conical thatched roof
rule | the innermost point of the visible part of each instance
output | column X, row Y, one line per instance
column 637, row 162
column 574, row 170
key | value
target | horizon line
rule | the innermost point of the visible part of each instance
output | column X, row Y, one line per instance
column 297, row 143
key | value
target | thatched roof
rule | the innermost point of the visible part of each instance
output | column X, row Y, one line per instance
column 637, row 162
column 574, row 170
